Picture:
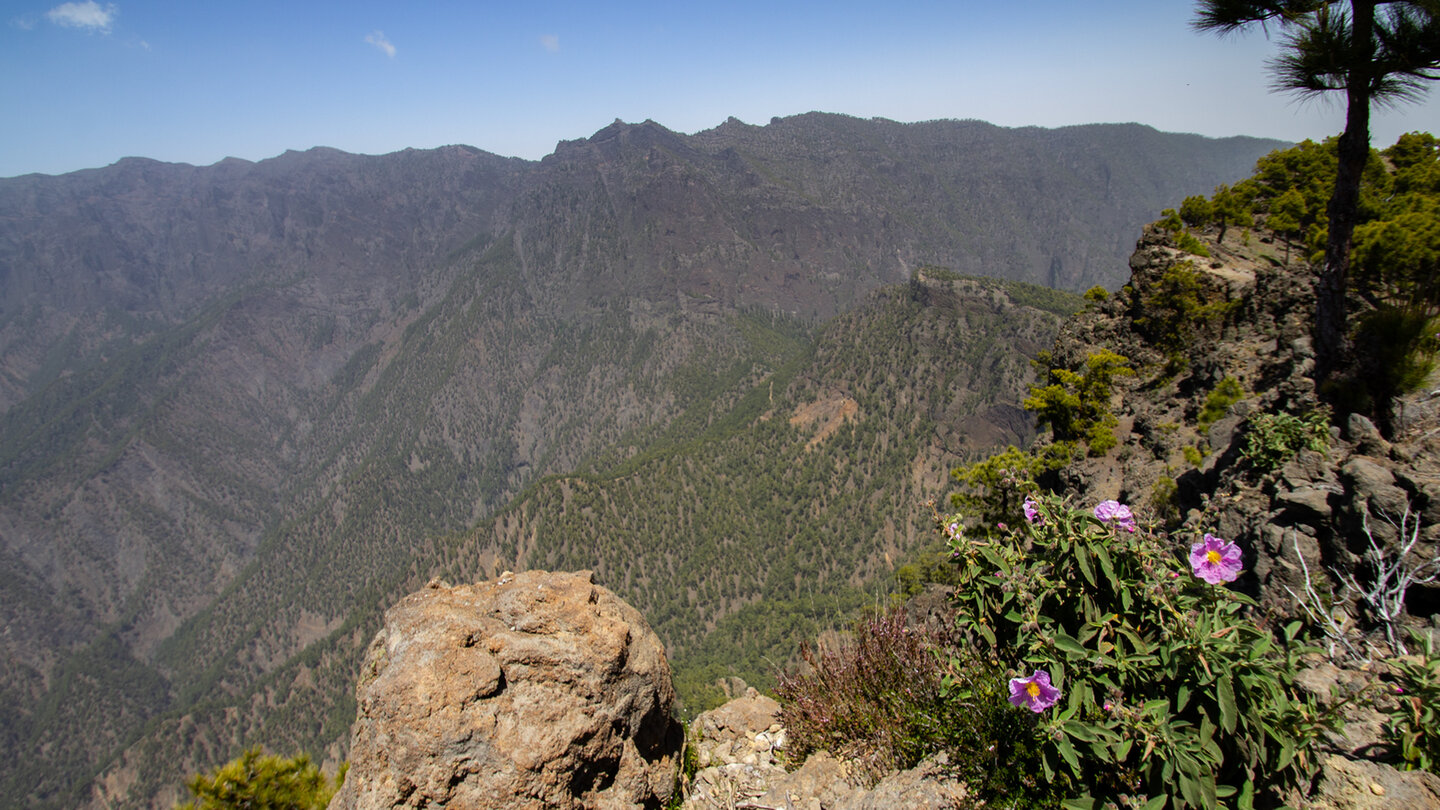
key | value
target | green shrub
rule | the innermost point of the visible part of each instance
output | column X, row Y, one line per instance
column 1097, row 294
column 257, row 781
column 1226, row 393
column 1271, row 439
column 1170, row 221
column 1193, row 456
column 994, row 489
column 1175, row 312
column 1164, row 499
column 1196, row 211
column 1187, row 242
column 1167, row 691
column 1076, row 404
column 1399, row 346
column 1413, row 725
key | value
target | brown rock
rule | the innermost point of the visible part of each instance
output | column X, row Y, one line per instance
column 1371, row 479
column 824, row 782
column 1347, row 784
column 534, row 690
column 742, row 717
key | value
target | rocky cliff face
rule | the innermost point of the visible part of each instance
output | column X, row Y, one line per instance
column 1316, row 513
column 534, row 690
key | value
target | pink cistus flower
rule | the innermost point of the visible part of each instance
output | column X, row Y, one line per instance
column 1116, row 514
column 1215, row 560
column 1032, row 511
column 1034, row 693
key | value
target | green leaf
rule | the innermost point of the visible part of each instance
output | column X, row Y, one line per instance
column 1122, row 749
column 1287, row 754
column 1082, row 557
column 1078, row 804
column 1155, row 803
column 1068, row 752
column 1105, row 567
column 1207, row 790
column 1247, row 796
column 1225, row 694
column 986, row 633
column 1190, row 789
column 1152, row 706
column 1069, row 645
column 1080, row 731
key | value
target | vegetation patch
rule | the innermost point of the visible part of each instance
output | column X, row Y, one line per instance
column 1271, row 439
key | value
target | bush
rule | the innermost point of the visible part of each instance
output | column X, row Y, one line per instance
column 1167, row 691
column 1413, row 726
column 1165, row 499
column 1398, row 344
column 256, row 781
column 1274, row 438
column 1187, row 242
column 1193, row 456
column 1226, row 393
column 890, row 697
column 875, row 699
column 994, row 489
column 1175, row 312
column 1076, row 404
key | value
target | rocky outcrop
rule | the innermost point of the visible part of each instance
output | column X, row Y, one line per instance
column 533, row 690
column 1310, row 525
column 740, row 750
column 1349, row 784
column 1314, row 516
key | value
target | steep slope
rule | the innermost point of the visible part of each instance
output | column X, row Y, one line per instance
column 243, row 404
column 1309, row 506
column 790, row 507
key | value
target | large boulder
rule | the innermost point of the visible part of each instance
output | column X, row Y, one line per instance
column 532, row 690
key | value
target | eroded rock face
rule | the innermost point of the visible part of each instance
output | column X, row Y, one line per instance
column 532, row 690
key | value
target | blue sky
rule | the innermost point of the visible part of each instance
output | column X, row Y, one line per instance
column 84, row 83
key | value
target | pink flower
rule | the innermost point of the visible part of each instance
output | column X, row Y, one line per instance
column 1032, row 511
column 1215, row 560
column 1115, row 513
column 1034, row 693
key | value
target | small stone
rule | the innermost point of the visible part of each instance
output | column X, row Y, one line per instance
column 1377, row 788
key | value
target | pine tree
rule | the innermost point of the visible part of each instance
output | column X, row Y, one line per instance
column 257, row 781
column 1375, row 52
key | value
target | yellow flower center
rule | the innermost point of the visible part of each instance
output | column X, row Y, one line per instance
column 1033, row 689
column 1212, row 557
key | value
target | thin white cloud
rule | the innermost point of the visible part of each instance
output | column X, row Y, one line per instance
column 377, row 38
column 550, row 42
column 88, row 15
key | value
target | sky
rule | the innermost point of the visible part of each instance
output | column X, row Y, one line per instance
column 84, row 83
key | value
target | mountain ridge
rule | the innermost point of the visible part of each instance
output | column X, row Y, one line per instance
column 239, row 415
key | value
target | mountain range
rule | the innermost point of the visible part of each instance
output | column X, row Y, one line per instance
column 245, row 406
